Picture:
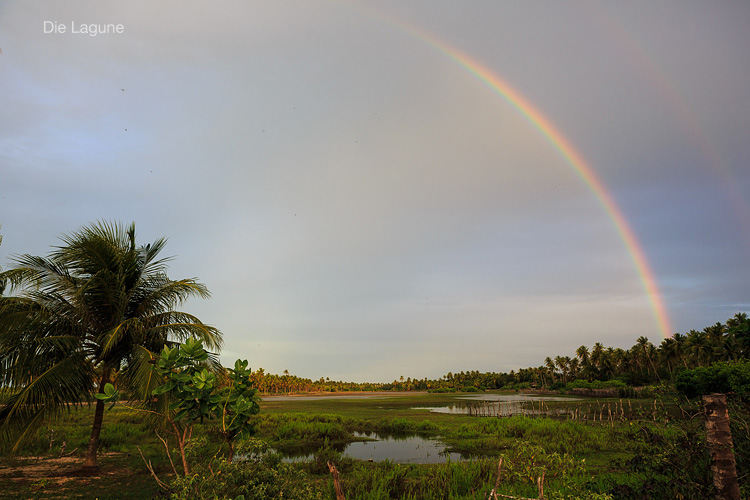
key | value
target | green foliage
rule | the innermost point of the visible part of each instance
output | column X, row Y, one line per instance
column 565, row 478
column 520, row 386
column 194, row 393
column 303, row 429
column 403, row 425
column 443, row 390
column 195, row 396
column 596, row 384
column 326, row 453
column 254, row 479
column 670, row 462
column 719, row 377
column 493, row 436
column 96, row 307
column 189, row 386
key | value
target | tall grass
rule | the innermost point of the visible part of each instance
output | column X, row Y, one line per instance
column 565, row 478
column 492, row 436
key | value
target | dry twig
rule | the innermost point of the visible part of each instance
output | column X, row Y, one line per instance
column 494, row 494
column 166, row 447
column 70, row 452
column 151, row 470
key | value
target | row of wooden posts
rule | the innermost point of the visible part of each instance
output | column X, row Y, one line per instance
column 585, row 411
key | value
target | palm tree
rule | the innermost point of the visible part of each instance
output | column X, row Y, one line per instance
column 699, row 346
column 562, row 363
column 715, row 334
column 583, row 355
column 97, row 308
column 597, row 353
column 645, row 349
column 739, row 327
column 681, row 346
column 550, row 364
column 731, row 348
column 574, row 366
column 611, row 360
column 668, row 351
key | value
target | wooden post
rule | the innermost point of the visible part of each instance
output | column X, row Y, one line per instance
column 719, row 438
column 336, row 484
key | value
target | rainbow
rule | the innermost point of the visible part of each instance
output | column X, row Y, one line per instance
column 683, row 113
column 562, row 145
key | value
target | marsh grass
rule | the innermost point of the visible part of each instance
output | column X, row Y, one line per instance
column 494, row 435
column 470, row 480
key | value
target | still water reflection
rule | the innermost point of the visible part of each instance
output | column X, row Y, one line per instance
column 499, row 404
column 402, row 449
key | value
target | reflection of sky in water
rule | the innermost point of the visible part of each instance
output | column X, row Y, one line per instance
column 314, row 397
column 412, row 449
column 406, row 449
column 516, row 397
column 506, row 404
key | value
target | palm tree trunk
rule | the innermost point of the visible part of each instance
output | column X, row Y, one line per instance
column 719, row 439
column 96, row 429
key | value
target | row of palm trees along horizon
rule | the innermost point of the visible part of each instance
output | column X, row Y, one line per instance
column 642, row 364
column 99, row 309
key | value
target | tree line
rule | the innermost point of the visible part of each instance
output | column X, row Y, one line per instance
column 643, row 364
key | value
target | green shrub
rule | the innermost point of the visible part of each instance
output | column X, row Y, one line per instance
column 596, row 384
column 255, row 479
column 442, row 390
column 725, row 377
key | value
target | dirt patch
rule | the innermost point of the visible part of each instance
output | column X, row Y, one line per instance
column 57, row 470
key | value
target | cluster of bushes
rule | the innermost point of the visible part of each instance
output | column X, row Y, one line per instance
column 443, row 390
column 258, row 478
column 726, row 377
column 601, row 388
column 403, row 426
column 596, row 384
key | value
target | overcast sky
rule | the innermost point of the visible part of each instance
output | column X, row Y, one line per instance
column 360, row 204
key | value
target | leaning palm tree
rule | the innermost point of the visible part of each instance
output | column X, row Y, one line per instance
column 97, row 307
